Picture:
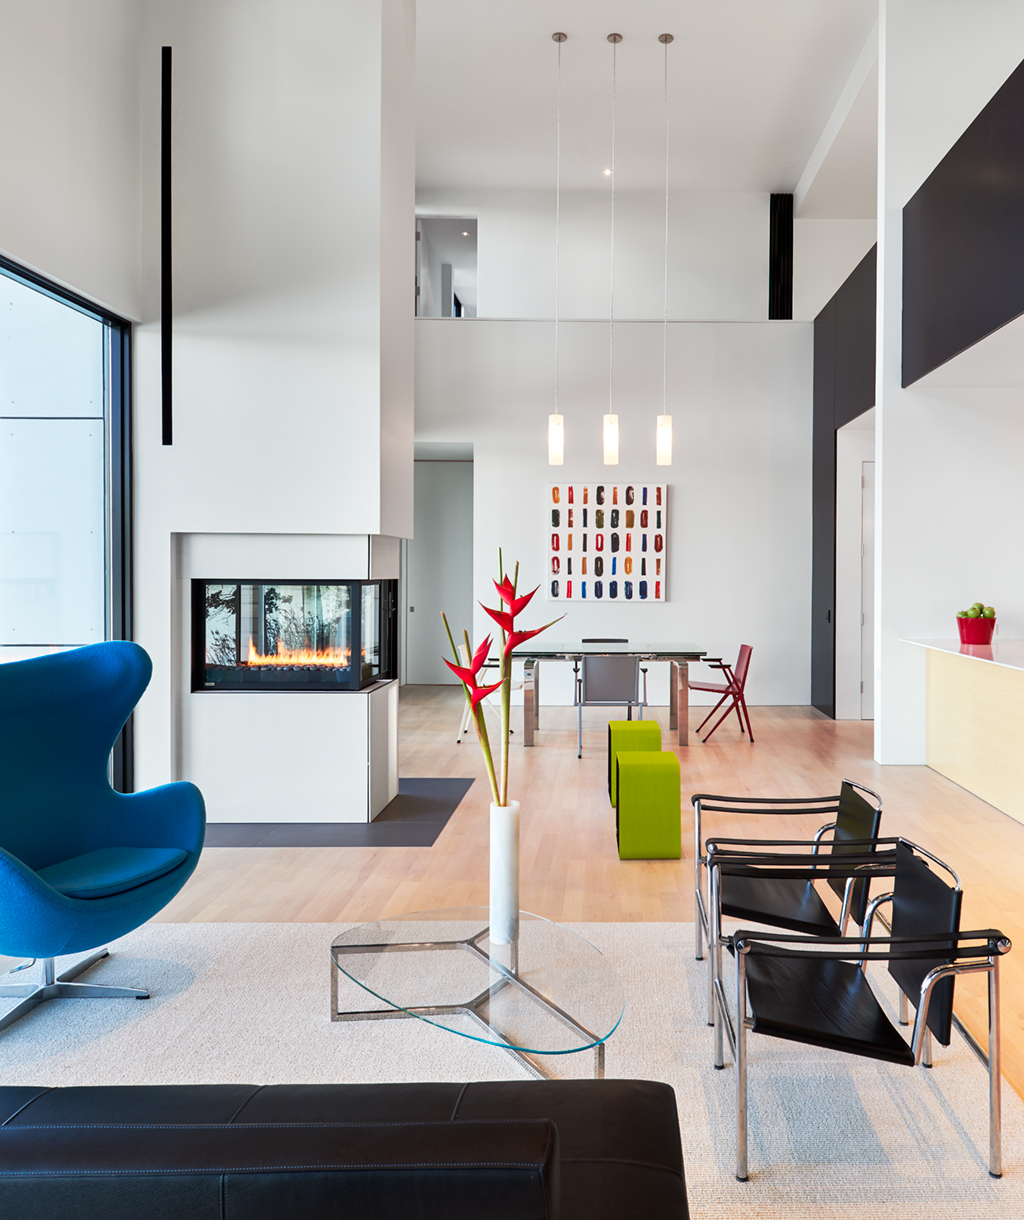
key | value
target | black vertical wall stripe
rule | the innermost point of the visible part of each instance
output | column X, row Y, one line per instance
column 780, row 258
column 166, row 299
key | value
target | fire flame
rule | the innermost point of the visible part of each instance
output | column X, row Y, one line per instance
column 339, row 657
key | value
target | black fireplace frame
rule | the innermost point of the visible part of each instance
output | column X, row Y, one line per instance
column 286, row 680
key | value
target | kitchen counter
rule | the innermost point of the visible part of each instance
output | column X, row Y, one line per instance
column 1008, row 653
column 975, row 731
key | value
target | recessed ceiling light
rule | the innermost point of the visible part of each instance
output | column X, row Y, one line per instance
column 465, row 235
column 607, row 173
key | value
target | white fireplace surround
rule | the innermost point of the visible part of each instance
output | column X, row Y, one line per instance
column 289, row 756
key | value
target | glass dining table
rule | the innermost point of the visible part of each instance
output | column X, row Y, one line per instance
column 678, row 656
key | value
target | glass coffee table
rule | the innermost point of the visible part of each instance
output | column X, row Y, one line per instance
column 553, row 993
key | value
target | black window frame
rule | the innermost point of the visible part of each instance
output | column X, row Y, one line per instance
column 120, row 540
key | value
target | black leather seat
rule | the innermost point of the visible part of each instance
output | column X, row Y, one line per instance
column 794, row 903
column 827, row 1004
column 509, row 1150
column 815, row 990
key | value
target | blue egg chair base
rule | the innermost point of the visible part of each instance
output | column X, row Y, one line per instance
column 80, row 864
column 61, row 987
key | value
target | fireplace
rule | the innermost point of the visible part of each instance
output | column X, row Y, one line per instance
column 252, row 635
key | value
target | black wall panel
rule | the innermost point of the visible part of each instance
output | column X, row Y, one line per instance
column 780, row 257
column 963, row 238
column 844, row 387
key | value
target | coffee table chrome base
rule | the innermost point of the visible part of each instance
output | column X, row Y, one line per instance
column 60, row 987
column 472, row 1008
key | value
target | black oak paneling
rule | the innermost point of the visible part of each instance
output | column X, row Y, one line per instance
column 844, row 387
column 963, row 238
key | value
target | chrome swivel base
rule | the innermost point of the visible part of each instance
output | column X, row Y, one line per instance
column 61, row 987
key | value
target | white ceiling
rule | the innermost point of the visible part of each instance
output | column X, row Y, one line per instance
column 752, row 84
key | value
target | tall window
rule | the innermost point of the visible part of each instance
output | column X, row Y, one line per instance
column 65, row 551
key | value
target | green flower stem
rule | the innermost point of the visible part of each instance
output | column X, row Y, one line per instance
column 481, row 733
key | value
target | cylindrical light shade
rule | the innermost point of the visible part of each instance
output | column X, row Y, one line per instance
column 664, row 440
column 556, row 441
column 611, row 440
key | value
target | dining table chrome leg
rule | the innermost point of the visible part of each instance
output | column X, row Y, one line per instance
column 682, row 701
column 530, row 668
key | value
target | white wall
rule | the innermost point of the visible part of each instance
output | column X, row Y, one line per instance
column 718, row 253
column 293, row 258
column 740, row 486
column 949, row 488
column 69, row 145
column 824, row 254
column 439, row 569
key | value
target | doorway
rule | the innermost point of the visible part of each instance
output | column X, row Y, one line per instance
column 445, row 267
column 867, row 591
column 855, row 571
column 438, row 560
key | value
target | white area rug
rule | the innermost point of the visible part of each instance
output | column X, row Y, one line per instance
column 830, row 1135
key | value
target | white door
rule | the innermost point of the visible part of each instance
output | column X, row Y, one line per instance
column 867, row 591
column 439, row 568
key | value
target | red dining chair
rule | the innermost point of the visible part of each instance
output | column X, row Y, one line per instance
column 732, row 688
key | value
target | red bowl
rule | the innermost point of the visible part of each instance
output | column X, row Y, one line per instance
column 976, row 630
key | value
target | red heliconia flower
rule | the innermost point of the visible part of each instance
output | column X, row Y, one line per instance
column 464, row 675
column 520, row 637
column 508, row 596
column 481, row 692
column 468, row 676
column 506, row 590
column 503, row 620
column 481, row 655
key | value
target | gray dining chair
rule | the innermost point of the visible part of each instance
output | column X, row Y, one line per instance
column 608, row 682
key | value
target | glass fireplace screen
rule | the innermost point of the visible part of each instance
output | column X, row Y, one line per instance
column 337, row 635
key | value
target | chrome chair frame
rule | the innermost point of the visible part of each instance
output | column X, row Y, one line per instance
column 763, row 806
column 862, row 949
column 870, row 862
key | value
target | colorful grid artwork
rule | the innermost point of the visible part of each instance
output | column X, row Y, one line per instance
column 607, row 542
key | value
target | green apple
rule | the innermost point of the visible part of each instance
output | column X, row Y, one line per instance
column 974, row 612
column 989, row 612
column 980, row 605
column 961, row 614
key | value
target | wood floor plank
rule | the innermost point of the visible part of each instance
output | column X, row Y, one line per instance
column 569, row 863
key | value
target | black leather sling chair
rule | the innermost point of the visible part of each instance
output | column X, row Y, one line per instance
column 790, row 902
column 815, row 990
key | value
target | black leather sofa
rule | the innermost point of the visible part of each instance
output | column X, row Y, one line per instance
column 537, row 1150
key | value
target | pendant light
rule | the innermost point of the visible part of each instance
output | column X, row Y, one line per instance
column 611, row 420
column 663, row 439
column 556, row 424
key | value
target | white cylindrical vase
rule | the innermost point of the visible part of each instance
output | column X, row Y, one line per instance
column 505, row 874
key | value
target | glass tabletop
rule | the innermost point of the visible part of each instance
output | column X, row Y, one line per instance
column 557, row 994
column 541, row 648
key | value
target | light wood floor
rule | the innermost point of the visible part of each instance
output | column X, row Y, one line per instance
column 570, row 869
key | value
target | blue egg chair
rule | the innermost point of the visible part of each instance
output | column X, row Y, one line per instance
column 81, row 864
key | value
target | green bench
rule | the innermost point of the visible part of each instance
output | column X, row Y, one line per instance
column 648, row 810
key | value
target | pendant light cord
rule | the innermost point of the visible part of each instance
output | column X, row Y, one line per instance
column 614, row 39
column 558, row 208
column 664, row 361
